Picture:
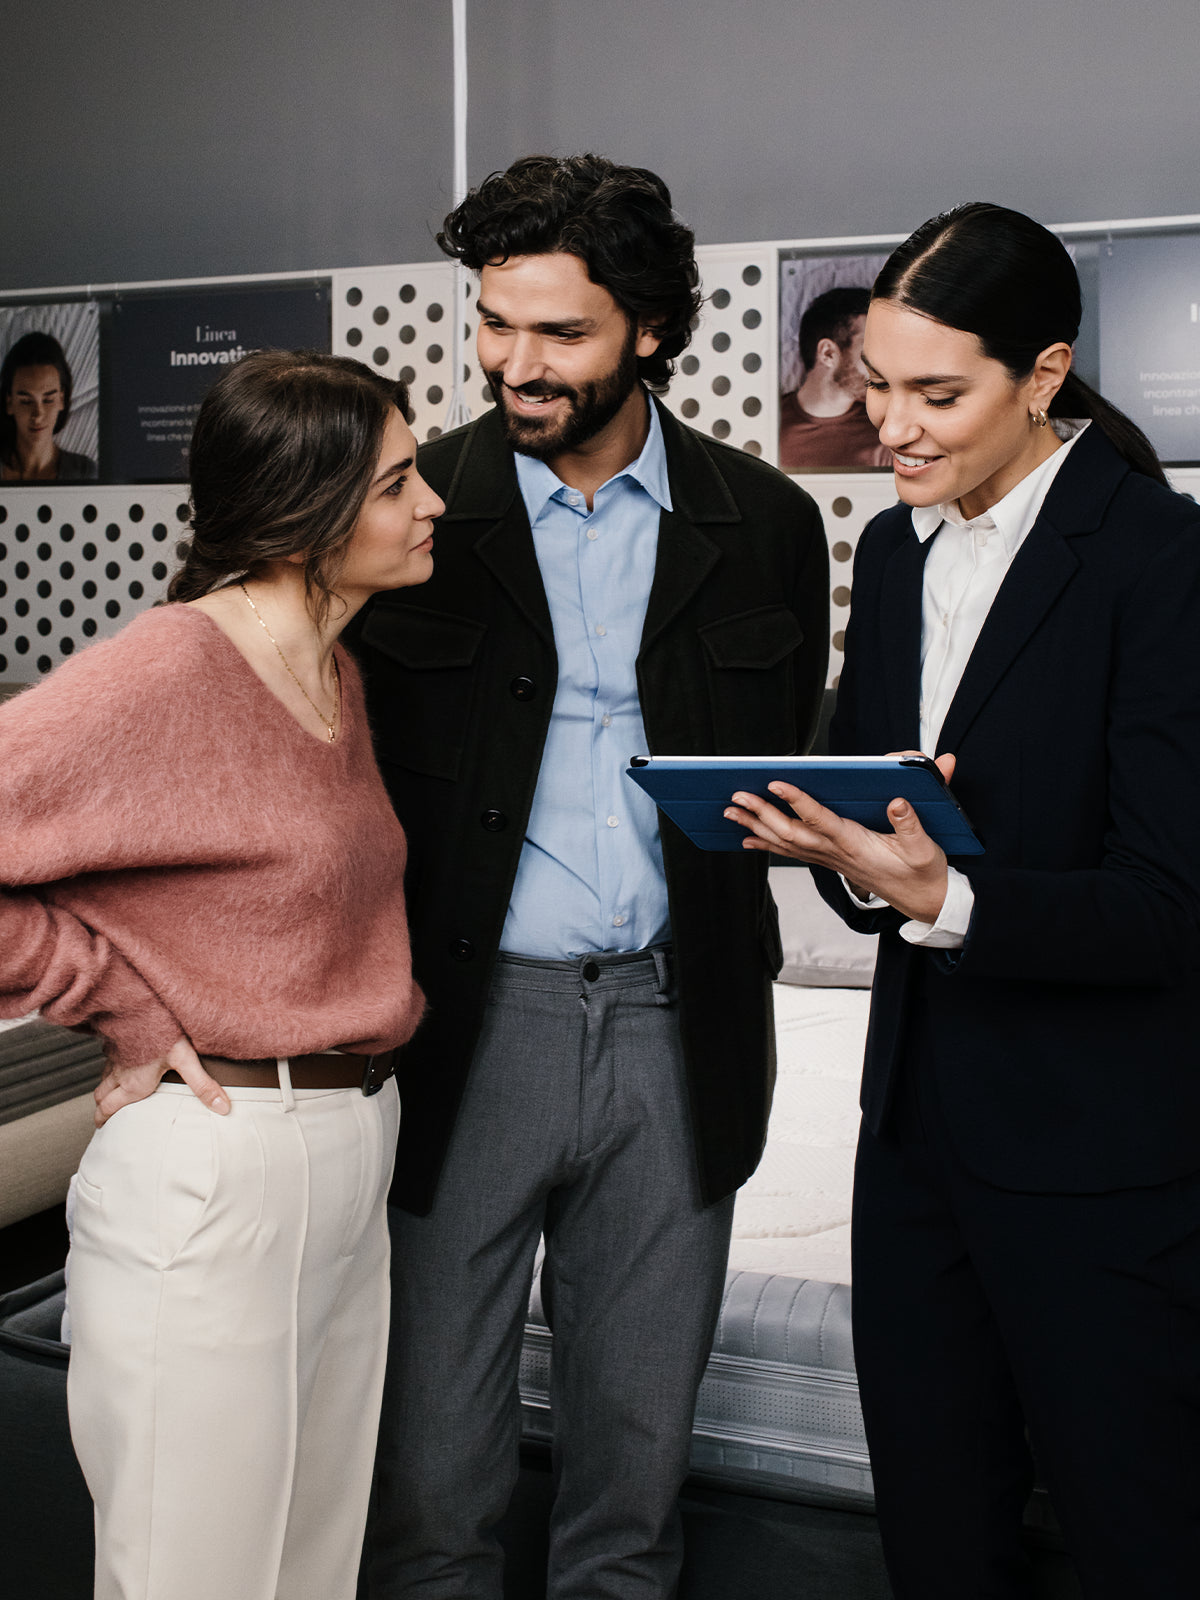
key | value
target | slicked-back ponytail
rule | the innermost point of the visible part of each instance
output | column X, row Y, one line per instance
column 1003, row 277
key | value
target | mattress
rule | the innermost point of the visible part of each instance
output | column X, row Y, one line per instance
column 778, row 1409
column 46, row 1112
column 793, row 1216
column 42, row 1065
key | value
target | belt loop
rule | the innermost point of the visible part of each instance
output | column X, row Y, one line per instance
column 285, row 1083
column 663, row 975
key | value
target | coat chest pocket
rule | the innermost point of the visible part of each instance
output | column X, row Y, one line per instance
column 422, row 670
column 750, row 663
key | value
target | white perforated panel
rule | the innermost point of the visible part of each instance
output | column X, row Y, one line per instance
column 725, row 384
column 397, row 320
column 847, row 502
column 76, row 562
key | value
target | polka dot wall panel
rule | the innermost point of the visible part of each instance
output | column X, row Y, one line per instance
column 725, row 379
column 399, row 320
column 76, row 562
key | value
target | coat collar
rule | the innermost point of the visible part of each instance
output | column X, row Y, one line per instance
column 484, row 489
column 485, row 478
column 1041, row 570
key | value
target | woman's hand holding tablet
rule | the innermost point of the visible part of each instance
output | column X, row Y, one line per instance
column 905, row 867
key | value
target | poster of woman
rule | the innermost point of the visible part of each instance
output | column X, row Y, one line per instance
column 49, row 392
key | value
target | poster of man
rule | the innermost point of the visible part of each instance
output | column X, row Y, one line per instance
column 49, row 392
column 823, row 422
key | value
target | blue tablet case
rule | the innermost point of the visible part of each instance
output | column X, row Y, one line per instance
column 694, row 791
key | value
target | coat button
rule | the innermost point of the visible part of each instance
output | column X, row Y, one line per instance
column 494, row 821
column 462, row 950
column 522, row 688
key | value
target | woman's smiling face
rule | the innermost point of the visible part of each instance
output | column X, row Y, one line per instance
column 959, row 426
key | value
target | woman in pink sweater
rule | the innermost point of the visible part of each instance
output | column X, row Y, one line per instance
column 199, row 861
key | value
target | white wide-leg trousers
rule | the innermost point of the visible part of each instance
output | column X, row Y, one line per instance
column 229, row 1303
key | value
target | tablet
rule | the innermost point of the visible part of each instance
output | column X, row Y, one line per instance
column 694, row 791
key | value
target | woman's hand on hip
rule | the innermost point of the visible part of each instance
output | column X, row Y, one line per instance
column 122, row 1085
column 903, row 867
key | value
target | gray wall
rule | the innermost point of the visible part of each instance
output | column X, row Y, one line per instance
column 162, row 140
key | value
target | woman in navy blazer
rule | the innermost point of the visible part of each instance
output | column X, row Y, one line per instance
column 1027, row 1194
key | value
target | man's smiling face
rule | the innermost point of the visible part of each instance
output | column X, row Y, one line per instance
column 558, row 351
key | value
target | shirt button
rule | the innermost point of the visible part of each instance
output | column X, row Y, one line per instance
column 592, row 534
column 618, row 922
column 574, row 499
column 613, row 822
column 601, row 629
column 606, row 721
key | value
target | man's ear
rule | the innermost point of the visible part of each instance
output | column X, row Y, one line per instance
column 649, row 337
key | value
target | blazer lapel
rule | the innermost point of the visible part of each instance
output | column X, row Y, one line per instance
column 1040, row 571
column 900, row 639
column 685, row 554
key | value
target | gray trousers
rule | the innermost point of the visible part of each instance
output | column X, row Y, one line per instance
column 575, row 1125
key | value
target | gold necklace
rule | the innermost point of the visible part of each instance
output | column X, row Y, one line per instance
column 329, row 726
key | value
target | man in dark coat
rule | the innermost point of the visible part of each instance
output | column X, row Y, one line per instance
column 597, row 1061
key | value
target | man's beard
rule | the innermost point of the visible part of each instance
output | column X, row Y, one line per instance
column 590, row 408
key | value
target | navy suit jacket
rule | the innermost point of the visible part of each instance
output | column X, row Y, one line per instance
column 1065, row 1035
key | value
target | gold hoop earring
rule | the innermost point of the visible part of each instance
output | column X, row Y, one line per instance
column 1039, row 416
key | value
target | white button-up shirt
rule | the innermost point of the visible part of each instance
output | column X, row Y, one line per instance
column 969, row 561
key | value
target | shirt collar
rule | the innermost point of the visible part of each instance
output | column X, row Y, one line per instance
column 539, row 484
column 1015, row 514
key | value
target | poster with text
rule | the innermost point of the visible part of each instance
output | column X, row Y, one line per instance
column 167, row 350
column 49, row 392
column 1150, row 338
column 823, row 422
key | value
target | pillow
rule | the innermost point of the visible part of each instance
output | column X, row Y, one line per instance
column 819, row 950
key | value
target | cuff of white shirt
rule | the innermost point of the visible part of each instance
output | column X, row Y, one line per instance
column 953, row 920
column 873, row 902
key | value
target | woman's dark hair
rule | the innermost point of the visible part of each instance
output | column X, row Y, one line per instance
column 284, row 450
column 1003, row 277
column 617, row 220
column 31, row 350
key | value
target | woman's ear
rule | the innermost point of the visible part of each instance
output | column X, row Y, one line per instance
column 1048, row 375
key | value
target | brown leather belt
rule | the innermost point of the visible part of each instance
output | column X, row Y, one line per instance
column 368, row 1073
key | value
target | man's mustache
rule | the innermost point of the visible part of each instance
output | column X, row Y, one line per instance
column 539, row 389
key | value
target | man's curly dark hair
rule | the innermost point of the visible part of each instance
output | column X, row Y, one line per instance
column 617, row 220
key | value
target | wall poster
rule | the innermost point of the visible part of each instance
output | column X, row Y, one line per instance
column 1150, row 339
column 168, row 349
column 823, row 422
column 49, row 392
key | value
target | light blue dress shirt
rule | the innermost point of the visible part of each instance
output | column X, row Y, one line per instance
column 590, row 875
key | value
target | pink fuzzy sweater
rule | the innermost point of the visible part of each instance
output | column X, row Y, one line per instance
column 178, row 856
